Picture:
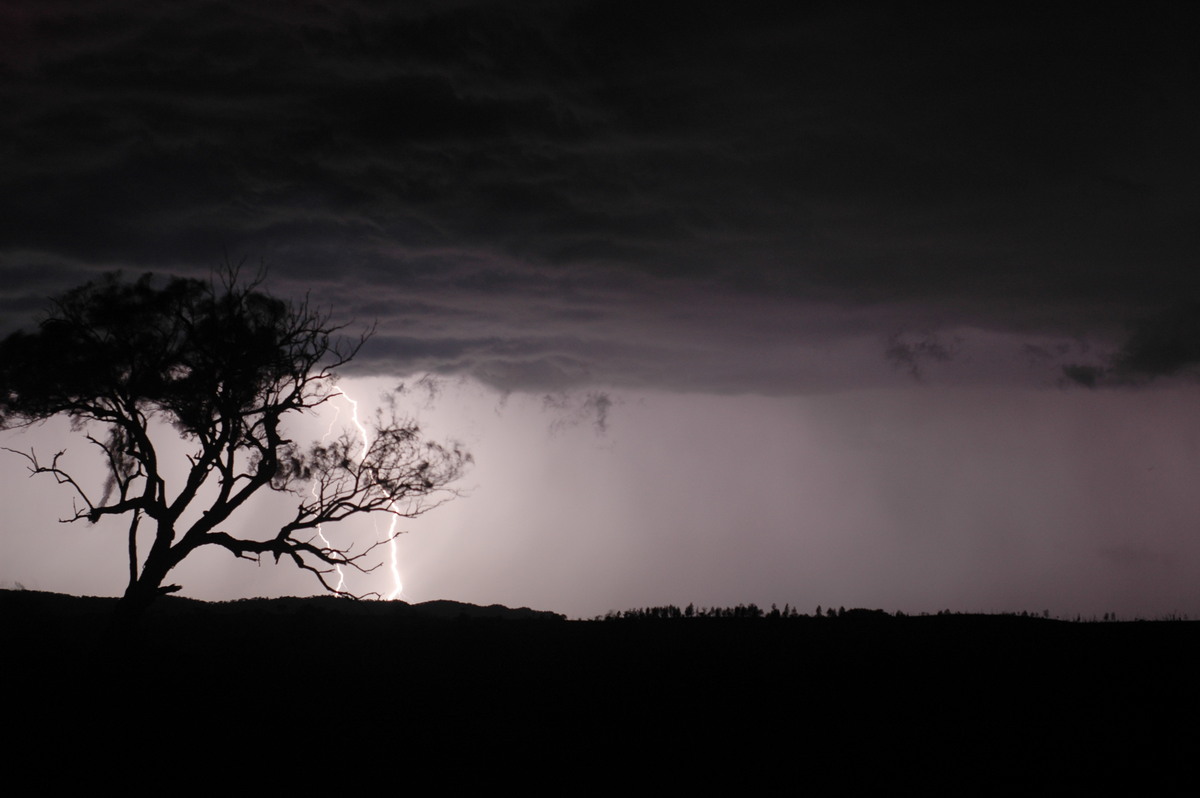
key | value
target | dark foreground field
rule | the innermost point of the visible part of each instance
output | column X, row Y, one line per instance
column 311, row 687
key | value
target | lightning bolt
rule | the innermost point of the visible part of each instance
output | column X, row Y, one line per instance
column 393, row 550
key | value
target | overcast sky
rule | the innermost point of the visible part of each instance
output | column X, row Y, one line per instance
column 851, row 303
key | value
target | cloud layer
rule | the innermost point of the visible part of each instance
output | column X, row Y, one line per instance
column 572, row 193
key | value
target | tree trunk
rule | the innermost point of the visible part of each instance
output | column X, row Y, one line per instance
column 142, row 592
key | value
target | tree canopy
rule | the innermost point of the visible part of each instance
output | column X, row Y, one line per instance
column 225, row 364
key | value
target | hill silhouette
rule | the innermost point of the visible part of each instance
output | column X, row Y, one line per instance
column 867, row 698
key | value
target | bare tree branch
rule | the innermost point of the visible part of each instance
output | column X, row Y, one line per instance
column 226, row 365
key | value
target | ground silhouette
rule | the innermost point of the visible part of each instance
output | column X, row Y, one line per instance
column 863, row 699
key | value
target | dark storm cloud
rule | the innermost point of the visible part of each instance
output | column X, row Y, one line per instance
column 572, row 411
column 552, row 194
column 910, row 351
column 1163, row 345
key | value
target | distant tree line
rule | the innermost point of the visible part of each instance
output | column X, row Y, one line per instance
column 753, row 611
column 741, row 611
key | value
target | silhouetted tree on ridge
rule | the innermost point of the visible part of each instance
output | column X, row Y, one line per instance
column 226, row 365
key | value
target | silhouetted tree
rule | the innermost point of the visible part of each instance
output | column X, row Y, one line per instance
column 225, row 365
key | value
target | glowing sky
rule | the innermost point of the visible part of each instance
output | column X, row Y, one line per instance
column 760, row 303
